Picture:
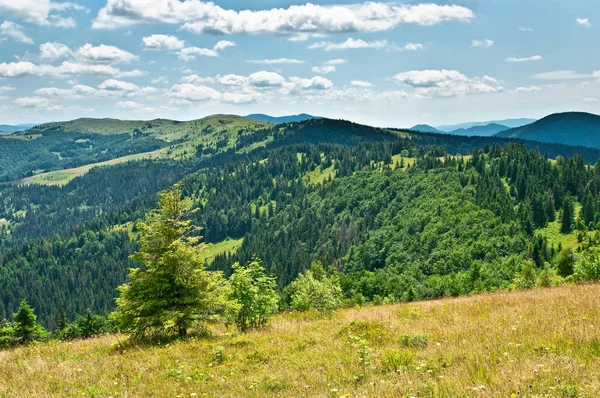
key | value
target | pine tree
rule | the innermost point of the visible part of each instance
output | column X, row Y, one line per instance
column 173, row 292
column 26, row 325
column 568, row 216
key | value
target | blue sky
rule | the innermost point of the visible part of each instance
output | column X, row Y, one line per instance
column 381, row 63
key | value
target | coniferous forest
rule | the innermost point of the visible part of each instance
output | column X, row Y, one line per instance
column 392, row 215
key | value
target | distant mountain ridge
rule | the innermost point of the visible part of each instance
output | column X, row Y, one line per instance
column 510, row 123
column 282, row 119
column 475, row 131
column 14, row 128
column 571, row 128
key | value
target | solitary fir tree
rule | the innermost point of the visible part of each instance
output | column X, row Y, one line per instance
column 568, row 216
column 173, row 292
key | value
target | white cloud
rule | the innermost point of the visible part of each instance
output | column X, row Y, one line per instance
column 163, row 43
column 528, row 89
column 329, row 66
column 66, row 69
column 131, row 105
column 117, row 85
column 190, row 53
column 562, row 75
column 486, row 43
column 35, row 103
column 590, row 99
column 323, row 69
column 239, row 98
column 15, row 32
column 275, row 61
column 360, row 83
column 6, row 88
column 54, row 51
column 524, row 59
column 62, row 93
column 192, row 92
column 316, row 83
column 445, row 83
column 232, row 80
column 525, row 29
column 584, row 22
column 350, row 43
column 305, row 20
column 195, row 79
column 223, row 44
column 40, row 12
column 266, row 79
column 104, row 54
column 412, row 47
column 160, row 79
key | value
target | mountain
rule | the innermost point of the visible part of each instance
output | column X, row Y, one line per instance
column 572, row 128
column 282, row 119
column 425, row 128
column 480, row 131
column 510, row 123
column 14, row 128
column 475, row 131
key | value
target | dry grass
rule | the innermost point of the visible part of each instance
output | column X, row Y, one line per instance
column 534, row 343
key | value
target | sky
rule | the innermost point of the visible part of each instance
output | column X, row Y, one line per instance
column 392, row 64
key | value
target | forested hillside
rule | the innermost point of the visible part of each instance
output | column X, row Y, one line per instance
column 394, row 214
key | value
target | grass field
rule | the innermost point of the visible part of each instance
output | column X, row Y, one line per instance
column 538, row 343
column 226, row 246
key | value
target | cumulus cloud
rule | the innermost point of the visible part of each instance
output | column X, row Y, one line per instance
column 486, row 43
column 40, row 12
column 524, row 59
column 445, row 83
column 66, row 69
column 190, row 53
column 360, row 83
column 195, row 79
column 266, row 79
column 412, row 47
column 163, row 43
column 525, row 29
column 590, row 99
column 119, row 85
column 561, row 75
column 329, row 66
column 192, row 92
column 297, row 20
column 584, row 22
column 275, row 61
column 15, row 32
column 232, row 80
column 35, row 103
column 131, row 105
column 314, row 83
column 54, row 51
column 350, row 43
column 104, row 54
column 528, row 89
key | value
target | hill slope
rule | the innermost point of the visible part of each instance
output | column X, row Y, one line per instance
column 282, row 119
column 543, row 342
column 425, row 128
column 572, row 128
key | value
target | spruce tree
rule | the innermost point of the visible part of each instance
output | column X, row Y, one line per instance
column 568, row 216
column 173, row 292
column 26, row 325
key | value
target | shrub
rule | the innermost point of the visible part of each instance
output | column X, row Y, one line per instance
column 396, row 360
column 587, row 267
column 255, row 293
column 314, row 290
column 85, row 326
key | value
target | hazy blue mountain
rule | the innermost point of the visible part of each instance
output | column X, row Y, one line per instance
column 18, row 127
column 572, row 128
column 510, row 123
column 425, row 128
column 282, row 119
column 480, row 131
column 475, row 131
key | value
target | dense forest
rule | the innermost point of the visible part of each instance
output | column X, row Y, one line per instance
column 395, row 214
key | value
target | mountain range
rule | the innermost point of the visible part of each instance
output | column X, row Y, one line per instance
column 487, row 130
column 14, row 128
column 510, row 123
column 282, row 119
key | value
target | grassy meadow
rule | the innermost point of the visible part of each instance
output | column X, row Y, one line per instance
column 541, row 343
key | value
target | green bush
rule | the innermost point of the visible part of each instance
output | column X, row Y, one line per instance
column 414, row 340
column 314, row 290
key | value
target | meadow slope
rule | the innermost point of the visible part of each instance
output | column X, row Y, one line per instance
column 543, row 342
